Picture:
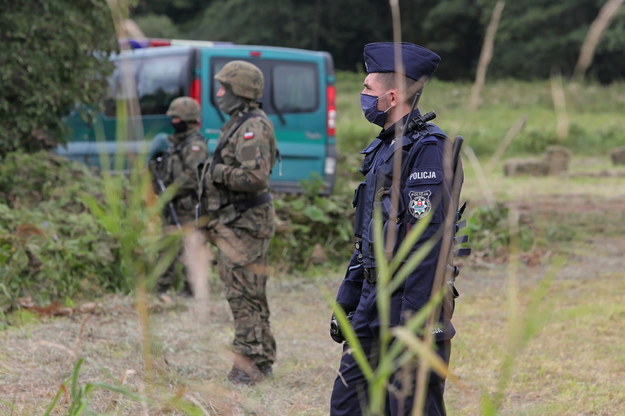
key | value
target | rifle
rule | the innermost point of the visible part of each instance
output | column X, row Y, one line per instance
column 419, row 121
column 160, row 188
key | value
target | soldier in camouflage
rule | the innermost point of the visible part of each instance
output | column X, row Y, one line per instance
column 240, row 218
column 187, row 149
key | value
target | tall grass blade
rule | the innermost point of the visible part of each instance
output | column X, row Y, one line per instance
column 486, row 55
column 597, row 27
column 559, row 104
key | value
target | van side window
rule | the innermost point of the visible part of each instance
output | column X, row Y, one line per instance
column 155, row 82
column 290, row 87
column 125, row 72
column 160, row 81
column 295, row 88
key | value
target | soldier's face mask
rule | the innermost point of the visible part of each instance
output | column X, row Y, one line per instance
column 179, row 125
column 229, row 102
column 369, row 105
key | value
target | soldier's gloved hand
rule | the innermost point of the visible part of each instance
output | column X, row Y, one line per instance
column 335, row 329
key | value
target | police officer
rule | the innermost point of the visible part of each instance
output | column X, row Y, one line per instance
column 419, row 185
column 240, row 217
column 187, row 149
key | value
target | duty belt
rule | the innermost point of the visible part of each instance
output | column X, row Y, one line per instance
column 243, row 205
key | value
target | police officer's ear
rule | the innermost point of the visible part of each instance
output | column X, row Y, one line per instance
column 393, row 97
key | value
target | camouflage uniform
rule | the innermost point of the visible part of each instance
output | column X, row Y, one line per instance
column 188, row 149
column 240, row 215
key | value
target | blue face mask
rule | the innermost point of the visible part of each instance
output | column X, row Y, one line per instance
column 369, row 105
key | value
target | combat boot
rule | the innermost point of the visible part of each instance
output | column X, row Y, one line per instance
column 265, row 369
column 239, row 376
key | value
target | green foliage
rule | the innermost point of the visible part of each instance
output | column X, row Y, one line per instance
column 489, row 231
column 157, row 26
column 133, row 222
column 307, row 220
column 50, row 247
column 54, row 55
column 460, row 44
column 178, row 10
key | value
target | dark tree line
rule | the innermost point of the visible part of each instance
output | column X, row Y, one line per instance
column 535, row 37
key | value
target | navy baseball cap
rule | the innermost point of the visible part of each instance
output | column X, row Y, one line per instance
column 418, row 61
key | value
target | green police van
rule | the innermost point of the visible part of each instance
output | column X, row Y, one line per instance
column 299, row 98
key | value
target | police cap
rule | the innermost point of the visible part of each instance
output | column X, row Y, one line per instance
column 417, row 60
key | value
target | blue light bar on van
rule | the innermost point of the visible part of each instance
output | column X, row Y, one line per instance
column 143, row 43
column 152, row 43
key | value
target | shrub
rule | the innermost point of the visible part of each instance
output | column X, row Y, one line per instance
column 54, row 55
column 50, row 246
column 307, row 220
column 489, row 231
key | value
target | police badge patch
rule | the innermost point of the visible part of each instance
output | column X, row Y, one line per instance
column 420, row 203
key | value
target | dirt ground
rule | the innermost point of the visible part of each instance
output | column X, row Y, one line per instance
column 574, row 366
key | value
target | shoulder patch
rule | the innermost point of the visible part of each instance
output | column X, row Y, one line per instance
column 248, row 135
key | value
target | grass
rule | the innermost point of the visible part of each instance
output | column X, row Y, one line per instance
column 573, row 366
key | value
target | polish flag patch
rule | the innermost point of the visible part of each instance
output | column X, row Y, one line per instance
column 195, row 148
column 248, row 135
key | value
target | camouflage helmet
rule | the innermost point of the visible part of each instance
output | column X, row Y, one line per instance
column 244, row 78
column 186, row 108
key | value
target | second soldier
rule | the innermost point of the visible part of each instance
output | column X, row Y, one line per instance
column 178, row 167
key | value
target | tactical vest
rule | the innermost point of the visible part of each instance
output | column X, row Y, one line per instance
column 376, row 189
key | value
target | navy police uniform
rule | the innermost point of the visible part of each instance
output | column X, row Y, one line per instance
column 422, row 190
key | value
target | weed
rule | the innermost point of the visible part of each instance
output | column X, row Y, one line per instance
column 489, row 231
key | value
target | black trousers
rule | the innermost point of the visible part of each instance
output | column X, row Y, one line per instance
column 350, row 392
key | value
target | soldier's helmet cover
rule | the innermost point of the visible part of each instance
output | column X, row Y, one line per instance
column 244, row 78
column 418, row 62
column 186, row 108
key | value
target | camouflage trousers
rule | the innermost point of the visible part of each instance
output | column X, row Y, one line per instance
column 168, row 279
column 242, row 263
